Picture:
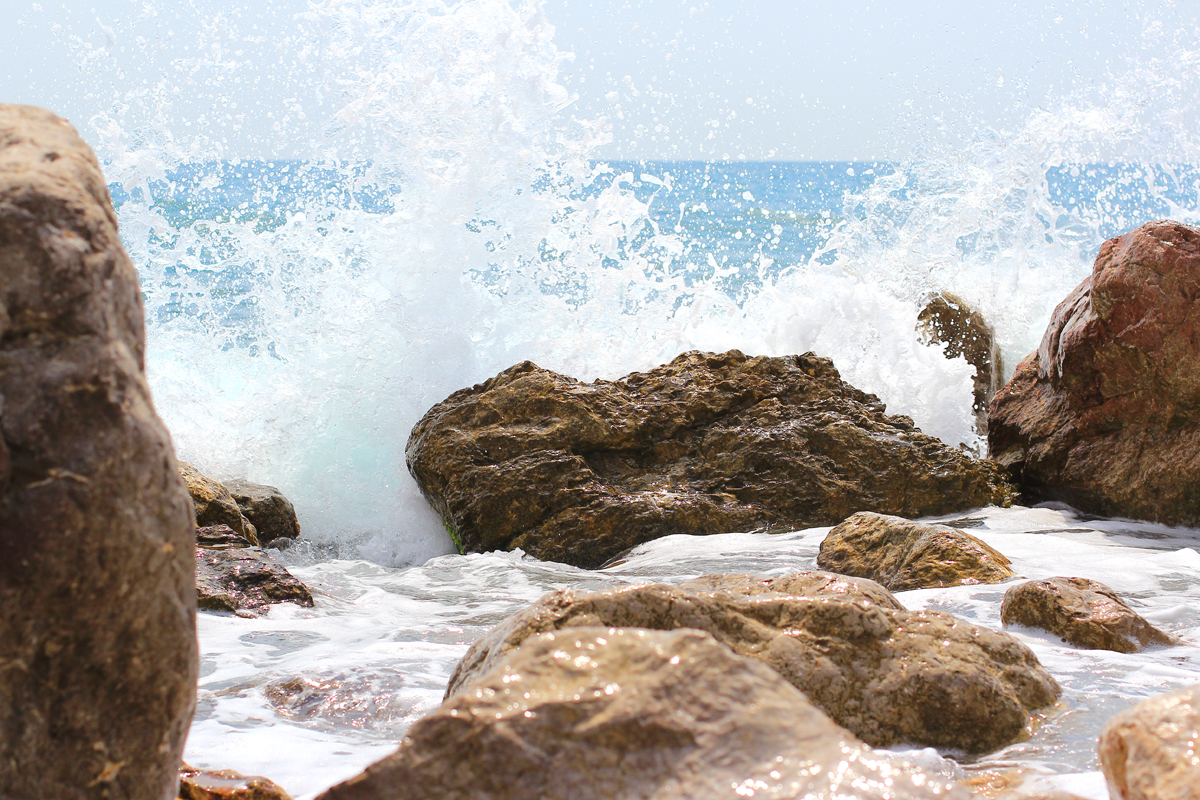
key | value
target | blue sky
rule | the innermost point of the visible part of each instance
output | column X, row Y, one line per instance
column 685, row 78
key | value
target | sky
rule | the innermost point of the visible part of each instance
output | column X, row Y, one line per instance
column 684, row 79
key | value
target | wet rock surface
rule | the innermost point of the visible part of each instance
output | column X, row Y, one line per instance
column 621, row 713
column 98, row 661
column 950, row 321
column 888, row 675
column 1105, row 415
column 272, row 514
column 902, row 555
column 233, row 575
column 214, row 504
column 224, row 784
column 1149, row 752
column 710, row 443
column 1080, row 611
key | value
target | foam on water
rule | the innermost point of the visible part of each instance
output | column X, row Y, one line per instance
column 376, row 652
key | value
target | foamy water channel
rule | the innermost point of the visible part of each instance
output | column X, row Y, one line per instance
column 309, row 697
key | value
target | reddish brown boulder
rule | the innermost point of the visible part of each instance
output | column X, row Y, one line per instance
column 1083, row 612
column 1105, row 415
column 710, row 443
column 225, row 784
column 901, row 554
column 233, row 575
column 98, row 656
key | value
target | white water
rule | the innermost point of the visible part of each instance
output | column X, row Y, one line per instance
column 351, row 321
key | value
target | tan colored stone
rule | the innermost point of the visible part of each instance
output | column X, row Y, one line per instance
column 889, row 676
column 214, row 504
column 622, row 714
column 225, row 784
column 710, row 443
column 98, row 656
column 1152, row 751
column 903, row 555
column 799, row 584
column 1083, row 612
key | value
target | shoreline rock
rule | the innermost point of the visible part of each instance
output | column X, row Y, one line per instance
column 901, row 554
column 97, row 601
column 710, row 443
column 1148, row 752
column 234, row 575
column 1104, row 415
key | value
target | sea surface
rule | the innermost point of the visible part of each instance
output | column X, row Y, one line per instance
column 454, row 218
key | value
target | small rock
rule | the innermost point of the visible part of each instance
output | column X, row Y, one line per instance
column 903, row 555
column 272, row 514
column 607, row 714
column 1150, row 752
column 1083, row 612
column 225, row 784
column 949, row 321
column 214, row 504
column 710, row 443
column 234, row 576
column 888, row 675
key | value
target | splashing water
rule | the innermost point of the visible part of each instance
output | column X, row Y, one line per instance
column 443, row 220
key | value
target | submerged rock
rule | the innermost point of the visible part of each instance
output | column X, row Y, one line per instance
column 609, row 714
column 98, row 656
column 232, row 575
column 579, row 473
column 272, row 514
column 962, row 331
column 225, row 784
column 1105, row 415
column 1081, row 611
column 214, row 504
column 1149, row 752
column 904, row 555
column 890, row 676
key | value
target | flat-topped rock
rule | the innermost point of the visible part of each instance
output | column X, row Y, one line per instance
column 98, row 656
column 234, row 575
column 1105, row 415
column 889, row 676
column 225, row 784
column 1081, row 611
column 609, row 714
column 710, row 443
column 901, row 554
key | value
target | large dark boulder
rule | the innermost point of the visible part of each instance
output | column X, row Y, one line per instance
column 580, row 472
column 98, row 656
column 616, row 714
column 1105, row 415
column 888, row 675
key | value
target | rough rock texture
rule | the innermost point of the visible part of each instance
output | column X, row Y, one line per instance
column 1083, row 612
column 800, row 584
column 962, row 331
column 890, row 676
column 232, row 575
column 98, row 653
column 1105, row 415
column 213, row 503
column 272, row 514
column 224, row 784
column 1150, row 751
column 903, row 555
column 599, row 713
column 579, row 472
